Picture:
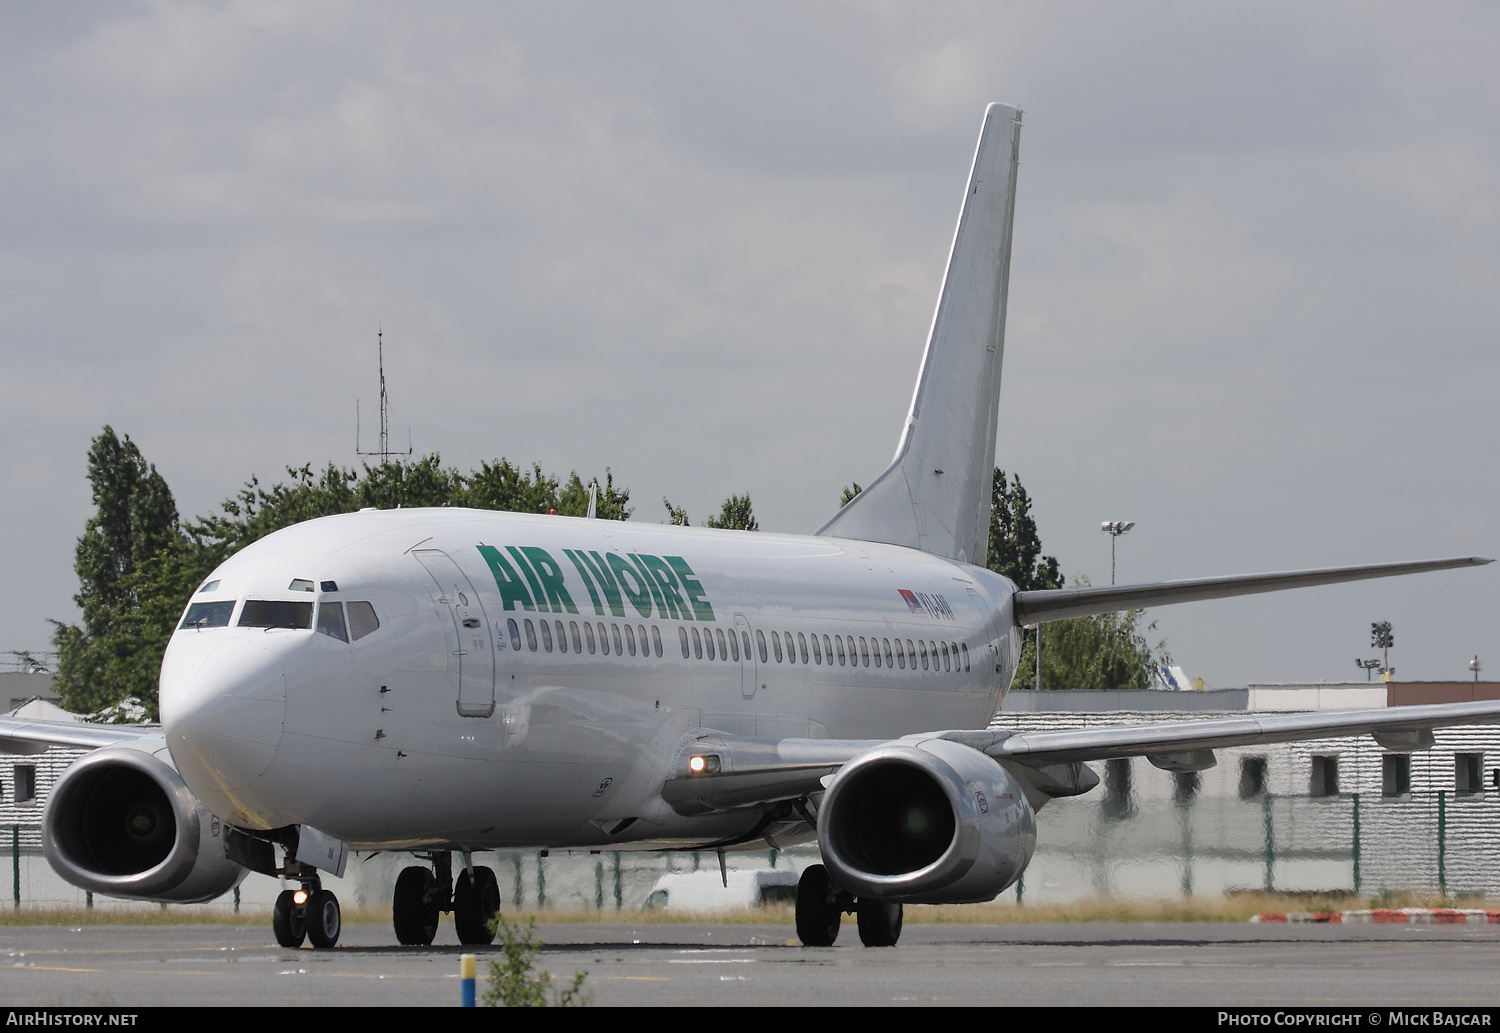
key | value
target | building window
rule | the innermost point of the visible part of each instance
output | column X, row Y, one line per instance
column 24, row 776
column 1468, row 772
column 1395, row 774
column 1252, row 777
column 1325, row 777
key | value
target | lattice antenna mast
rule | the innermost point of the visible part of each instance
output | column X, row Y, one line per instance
column 385, row 452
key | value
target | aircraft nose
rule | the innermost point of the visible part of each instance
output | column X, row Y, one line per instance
column 223, row 703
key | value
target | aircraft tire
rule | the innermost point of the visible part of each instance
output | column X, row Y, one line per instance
column 288, row 921
column 879, row 923
column 324, row 920
column 413, row 911
column 475, row 906
column 818, row 914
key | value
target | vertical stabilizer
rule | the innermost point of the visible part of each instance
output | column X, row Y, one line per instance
column 935, row 496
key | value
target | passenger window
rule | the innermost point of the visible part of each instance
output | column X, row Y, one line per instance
column 641, row 631
column 515, row 632
column 577, row 641
column 682, row 634
column 723, row 653
column 911, row 655
column 734, row 645
column 840, row 642
column 887, row 644
column 745, row 641
column 655, row 640
column 531, row 635
column 629, row 640
column 828, row 650
column 697, row 645
column 588, row 636
column 331, row 621
column 760, row 642
column 562, row 638
column 864, row 652
column 965, row 647
column 619, row 649
column 900, row 656
column 791, row 651
column 546, row 636
column 922, row 648
column 708, row 643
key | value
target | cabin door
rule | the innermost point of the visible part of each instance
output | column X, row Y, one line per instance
column 473, row 653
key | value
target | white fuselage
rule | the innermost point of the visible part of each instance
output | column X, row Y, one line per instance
column 526, row 684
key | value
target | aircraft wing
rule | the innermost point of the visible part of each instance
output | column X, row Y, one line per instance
column 22, row 735
column 1037, row 607
column 721, row 773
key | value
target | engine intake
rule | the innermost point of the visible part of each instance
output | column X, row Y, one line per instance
column 121, row 822
column 927, row 821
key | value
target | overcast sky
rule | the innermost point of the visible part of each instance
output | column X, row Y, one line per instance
column 1254, row 299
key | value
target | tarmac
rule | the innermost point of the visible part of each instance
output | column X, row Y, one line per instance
column 1240, row 965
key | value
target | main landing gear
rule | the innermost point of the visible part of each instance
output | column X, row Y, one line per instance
column 821, row 907
column 310, row 913
column 423, row 893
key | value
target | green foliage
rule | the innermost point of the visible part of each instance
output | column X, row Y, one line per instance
column 735, row 515
column 131, row 539
column 676, row 515
column 1108, row 651
column 847, row 495
column 138, row 564
column 1015, row 546
column 513, row 984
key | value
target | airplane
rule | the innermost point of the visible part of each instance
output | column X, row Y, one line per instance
column 448, row 682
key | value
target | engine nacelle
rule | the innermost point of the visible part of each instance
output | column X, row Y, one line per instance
column 121, row 822
column 925, row 822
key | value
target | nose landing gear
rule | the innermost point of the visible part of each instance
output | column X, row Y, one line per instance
column 310, row 913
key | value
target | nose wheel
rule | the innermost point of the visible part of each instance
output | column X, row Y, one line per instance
column 310, row 913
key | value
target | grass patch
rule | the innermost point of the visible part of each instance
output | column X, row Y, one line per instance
column 1236, row 906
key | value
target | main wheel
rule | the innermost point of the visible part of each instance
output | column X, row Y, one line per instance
column 414, row 912
column 323, row 920
column 474, row 906
column 818, row 915
column 879, row 923
column 289, row 919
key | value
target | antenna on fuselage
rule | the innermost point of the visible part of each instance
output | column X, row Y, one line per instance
column 385, row 452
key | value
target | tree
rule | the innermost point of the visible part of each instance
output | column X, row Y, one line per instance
column 1107, row 651
column 676, row 515
column 1015, row 547
column 138, row 565
column 735, row 514
column 130, row 541
column 847, row 495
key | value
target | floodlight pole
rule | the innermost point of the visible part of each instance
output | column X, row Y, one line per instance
column 1114, row 528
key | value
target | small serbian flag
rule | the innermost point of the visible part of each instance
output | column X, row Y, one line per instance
column 912, row 601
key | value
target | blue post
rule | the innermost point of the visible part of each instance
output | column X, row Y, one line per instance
column 466, row 979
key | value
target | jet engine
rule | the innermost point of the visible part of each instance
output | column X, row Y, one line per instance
column 925, row 821
column 121, row 822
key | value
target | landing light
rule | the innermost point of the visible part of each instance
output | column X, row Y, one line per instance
column 299, row 898
column 699, row 765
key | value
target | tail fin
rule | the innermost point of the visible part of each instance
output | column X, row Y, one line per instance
column 935, row 495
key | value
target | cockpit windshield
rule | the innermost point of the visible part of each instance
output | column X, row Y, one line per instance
column 276, row 613
column 208, row 615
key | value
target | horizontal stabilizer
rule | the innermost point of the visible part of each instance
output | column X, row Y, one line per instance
column 1059, row 604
